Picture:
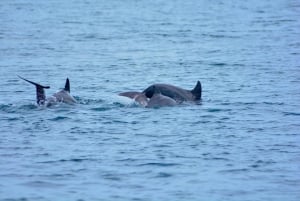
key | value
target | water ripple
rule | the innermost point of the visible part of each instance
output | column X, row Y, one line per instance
column 160, row 164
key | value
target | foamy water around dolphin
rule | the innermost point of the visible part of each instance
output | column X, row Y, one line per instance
column 240, row 143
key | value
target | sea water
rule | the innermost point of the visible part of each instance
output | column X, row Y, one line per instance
column 241, row 143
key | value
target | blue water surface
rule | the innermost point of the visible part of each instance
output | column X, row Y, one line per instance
column 241, row 143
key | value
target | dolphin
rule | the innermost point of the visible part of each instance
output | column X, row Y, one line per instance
column 136, row 96
column 157, row 100
column 178, row 94
column 158, row 95
column 60, row 96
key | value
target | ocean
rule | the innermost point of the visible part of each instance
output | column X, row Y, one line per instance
column 241, row 143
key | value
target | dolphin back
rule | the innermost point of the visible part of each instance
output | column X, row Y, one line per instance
column 176, row 93
column 197, row 91
column 64, row 96
column 159, row 100
column 40, row 92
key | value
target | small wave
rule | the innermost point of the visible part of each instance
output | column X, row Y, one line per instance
column 220, row 36
column 100, row 109
column 245, row 103
column 112, row 177
column 8, row 108
column 127, row 105
column 218, row 64
column 235, row 170
column 88, row 101
column 28, row 107
column 72, row 22
column 260, row 163
column 69, row 160
column 17, row 199
column 127, row 160
column 59, row 118
column 110, row 106
column 15, row 118
column 218, row 110
column 12, row 108
column 291, row 113
column 57, row 175
column 163, row 175
column 160, row 164
column 217, row 158
column 44, row 184
column 273, row 103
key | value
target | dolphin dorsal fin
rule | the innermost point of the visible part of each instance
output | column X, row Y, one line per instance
column 197, row 91
column 40, row 92
column 67, row 85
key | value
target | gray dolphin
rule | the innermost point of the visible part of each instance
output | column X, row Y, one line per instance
column 136, row 96
column 178, row 94
column 60, row 96
column 157, row 100
column 158, row 95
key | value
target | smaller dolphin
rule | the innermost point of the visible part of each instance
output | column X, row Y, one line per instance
column 136, row 96
column 60, row 96
column 157, row 100
column 158, row 95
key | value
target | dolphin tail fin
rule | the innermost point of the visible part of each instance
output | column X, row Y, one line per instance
column 40, row 92
column 197, row 91
column 67, row 85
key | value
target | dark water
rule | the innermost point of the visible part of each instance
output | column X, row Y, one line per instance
column 241, row 143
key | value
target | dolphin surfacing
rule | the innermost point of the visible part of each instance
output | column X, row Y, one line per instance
column 159, row 100
column 158, row 95
column 63, row 95
column 178, row 94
